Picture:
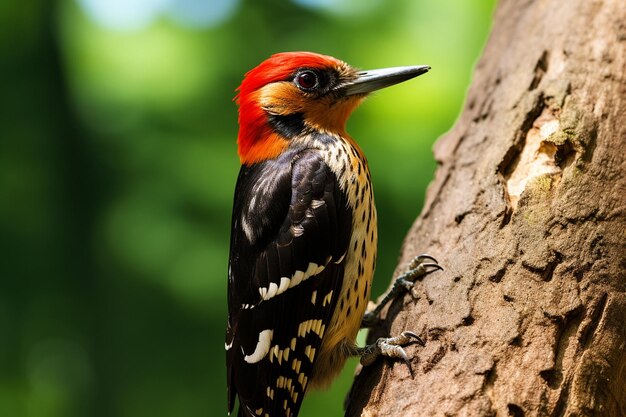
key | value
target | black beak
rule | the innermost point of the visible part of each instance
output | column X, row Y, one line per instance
column 368, row 81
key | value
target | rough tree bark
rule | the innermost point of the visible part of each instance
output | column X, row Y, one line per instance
column 527, row 213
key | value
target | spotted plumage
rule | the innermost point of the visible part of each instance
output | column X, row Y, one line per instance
column 303, row 241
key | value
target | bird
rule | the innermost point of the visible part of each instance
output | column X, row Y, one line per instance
column 303, row 233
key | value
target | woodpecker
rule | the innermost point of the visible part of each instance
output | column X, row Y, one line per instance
column 304, row 234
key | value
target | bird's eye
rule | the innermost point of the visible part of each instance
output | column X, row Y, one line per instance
column 307, row 80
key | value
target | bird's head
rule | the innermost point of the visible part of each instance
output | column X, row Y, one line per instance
column 296, row 92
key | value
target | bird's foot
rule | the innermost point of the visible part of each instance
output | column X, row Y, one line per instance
column 419, row 267
column 390, row 347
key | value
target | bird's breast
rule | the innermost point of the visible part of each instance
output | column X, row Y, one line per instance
column 347, row 162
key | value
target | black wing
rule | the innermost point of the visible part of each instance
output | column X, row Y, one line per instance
column 290, row 232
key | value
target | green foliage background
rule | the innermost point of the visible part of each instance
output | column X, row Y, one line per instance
column 117, row 167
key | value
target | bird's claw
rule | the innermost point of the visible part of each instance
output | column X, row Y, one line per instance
column 412, row 335
column 418, row 268
column 419, row 259
column 390, row 347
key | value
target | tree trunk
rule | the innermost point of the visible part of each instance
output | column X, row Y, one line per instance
column 527, row 214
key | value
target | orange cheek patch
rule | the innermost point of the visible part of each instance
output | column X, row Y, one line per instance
column 281, row 98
